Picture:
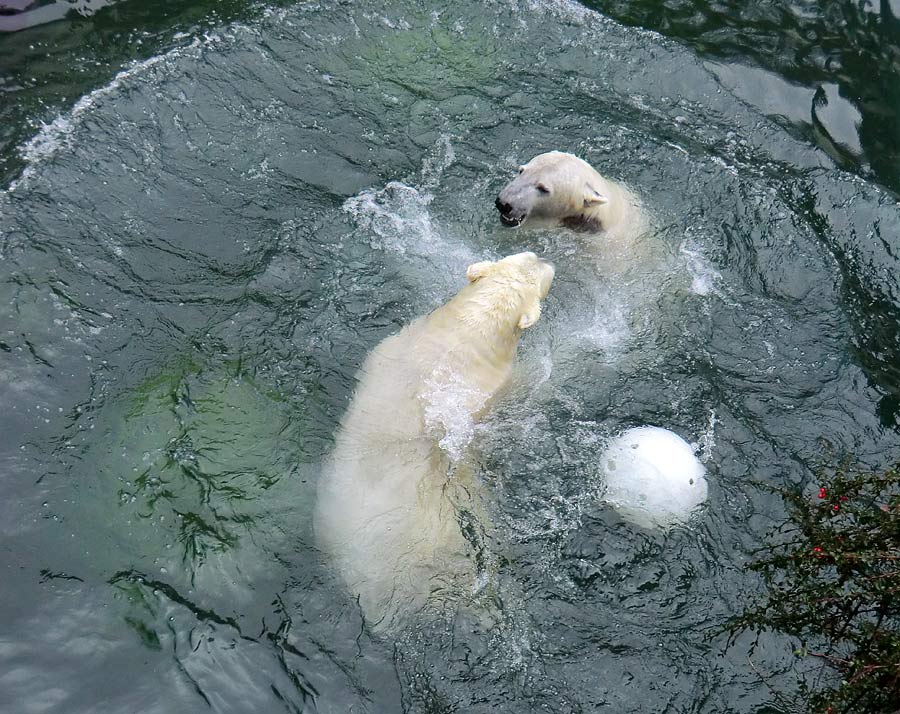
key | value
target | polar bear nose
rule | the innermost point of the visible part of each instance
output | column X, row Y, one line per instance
column 504, row 208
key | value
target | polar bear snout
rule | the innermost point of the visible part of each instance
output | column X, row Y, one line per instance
column 507, row 216
column 536, row 269
column 530, row 195
column 502, row 207
column 559, row 189
column 546, row 272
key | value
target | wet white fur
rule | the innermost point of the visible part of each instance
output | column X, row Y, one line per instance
column 388, row 513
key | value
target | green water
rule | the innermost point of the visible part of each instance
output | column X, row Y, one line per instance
column 209, row 219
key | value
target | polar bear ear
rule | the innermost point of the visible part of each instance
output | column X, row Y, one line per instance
column 592, row 197
column 531, row 315
column 478, row 270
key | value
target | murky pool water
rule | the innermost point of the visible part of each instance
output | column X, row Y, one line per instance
column 198, row 255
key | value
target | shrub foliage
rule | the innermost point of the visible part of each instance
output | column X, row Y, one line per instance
column 833, row 582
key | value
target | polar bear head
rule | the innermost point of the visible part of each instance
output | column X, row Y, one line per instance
column 554, row 187
column 507, row 292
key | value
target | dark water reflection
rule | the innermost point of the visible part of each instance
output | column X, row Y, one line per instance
column 47, row 67
column 853, row 45
column 847, row 53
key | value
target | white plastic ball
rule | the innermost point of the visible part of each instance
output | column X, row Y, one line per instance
column 652, row 477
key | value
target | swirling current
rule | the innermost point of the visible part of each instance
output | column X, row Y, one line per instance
column 199, row 251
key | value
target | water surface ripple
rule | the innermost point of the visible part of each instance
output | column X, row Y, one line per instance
column 197, row 256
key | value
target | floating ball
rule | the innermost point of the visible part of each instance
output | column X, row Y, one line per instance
column 652, row 477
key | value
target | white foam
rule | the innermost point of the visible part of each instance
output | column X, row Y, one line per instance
column 397, row 215
column 707, row 441
column 567, row 8
column 704, row 277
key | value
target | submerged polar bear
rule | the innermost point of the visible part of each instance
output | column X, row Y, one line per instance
column 391, row 507
column 557, row 188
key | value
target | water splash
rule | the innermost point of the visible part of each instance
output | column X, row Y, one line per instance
column 704, row 277
column 450, row 405
column 707, row 442
column 397, row 219
column 609, row 330
column 440, row 160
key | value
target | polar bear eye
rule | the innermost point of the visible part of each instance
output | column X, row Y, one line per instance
column 521, row 168
column 542, row 188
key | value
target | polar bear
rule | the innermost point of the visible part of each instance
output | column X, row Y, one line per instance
column 557, row 188
column 394, row 497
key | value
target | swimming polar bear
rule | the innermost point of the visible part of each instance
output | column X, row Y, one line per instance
column 615, row 266
column 392, row 504
column 557, row 188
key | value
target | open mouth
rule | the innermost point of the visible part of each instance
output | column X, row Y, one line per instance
column 510, row 221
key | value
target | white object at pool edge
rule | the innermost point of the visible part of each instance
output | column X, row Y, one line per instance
column 652, row 477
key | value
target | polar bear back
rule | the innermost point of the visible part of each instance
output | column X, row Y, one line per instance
column 379, row 513
column 394, row 491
